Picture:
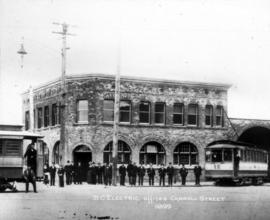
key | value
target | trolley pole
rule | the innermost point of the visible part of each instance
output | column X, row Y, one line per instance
column 63, row 95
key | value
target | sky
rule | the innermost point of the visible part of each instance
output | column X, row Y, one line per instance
column 220, row 41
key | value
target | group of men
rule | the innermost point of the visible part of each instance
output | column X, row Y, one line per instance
column 99, row 174
column 133, row 171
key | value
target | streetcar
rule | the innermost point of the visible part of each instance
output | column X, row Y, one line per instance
column 13, row 143
column 230, row 161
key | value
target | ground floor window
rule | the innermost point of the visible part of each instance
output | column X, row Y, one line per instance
column 185, row 153
column 152, row 152
column 124, row 152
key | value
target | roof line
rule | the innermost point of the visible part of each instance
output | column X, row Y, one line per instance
column 131, row 78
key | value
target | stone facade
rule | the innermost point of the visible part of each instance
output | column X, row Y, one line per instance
column 96, row 133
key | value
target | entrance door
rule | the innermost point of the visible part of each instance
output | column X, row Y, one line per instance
column 83, row 155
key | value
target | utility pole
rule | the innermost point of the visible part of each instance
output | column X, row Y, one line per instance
column 116, row 116
column 63, row 96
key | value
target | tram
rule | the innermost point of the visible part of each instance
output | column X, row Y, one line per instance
column 235, row 161
column 12, row 144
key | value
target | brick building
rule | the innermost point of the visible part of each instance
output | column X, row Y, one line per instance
column 161, row 121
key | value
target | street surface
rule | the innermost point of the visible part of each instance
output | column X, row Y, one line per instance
column 85, row 201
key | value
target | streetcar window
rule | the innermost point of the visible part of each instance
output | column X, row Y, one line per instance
column 244, row 156
column 248, row 155
column 208, row 156
column 13, row 147
column 1, row 147
column 217, row 156
column 227, row 155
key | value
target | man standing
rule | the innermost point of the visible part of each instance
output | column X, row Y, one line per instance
column 162, row 173
column 99, row 170
column 134, row 172
column 68, row 173
column 197, row 173
column 31, row 155
column 151, row 175
column 170, row 172
column 61, row 172
column 107, row 175
column 29, row 177
column 52, row 174
column 183, row 172
column 129, row 171
column 122, row 173
column 141, row 173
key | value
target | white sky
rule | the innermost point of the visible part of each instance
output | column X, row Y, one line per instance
column 226, row 41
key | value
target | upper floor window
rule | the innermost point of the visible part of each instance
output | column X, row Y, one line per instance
column 39, row 117
column 193, row 114
column 27, row 120
column 54, row 114
column 46, row 116
column 82, row 111
column 108, row 110
column 209, row 115
column 219, row 116
column 144, row 112
column 159, row 113
column 125, row 111
column 178, row 113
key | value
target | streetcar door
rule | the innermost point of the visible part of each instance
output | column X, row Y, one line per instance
column 236, row 161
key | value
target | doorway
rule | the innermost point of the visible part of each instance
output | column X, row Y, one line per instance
column 83, row 155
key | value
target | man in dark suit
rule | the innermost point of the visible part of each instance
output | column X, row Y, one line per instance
column 108, row 174
column 183, row 173
column 134, row 172
column 162, row 173
column 29, row 177
column 31, row 155
column 141, row 173
column 197, row 173
column 151, row 175
column 99, row 171
column 170, row 173
column 129, row 171
column 68, row 173
column 52, row 174
column 122, row 173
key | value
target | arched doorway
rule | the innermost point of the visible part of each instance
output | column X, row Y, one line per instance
column 260, row 136
column 152, row 152
column 82, row 154
column 56, row 157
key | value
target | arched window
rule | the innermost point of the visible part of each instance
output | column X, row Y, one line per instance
column 56, row 153
column 124, row 152
column 152, row 152
column 185, row 153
